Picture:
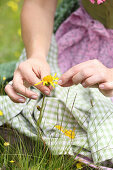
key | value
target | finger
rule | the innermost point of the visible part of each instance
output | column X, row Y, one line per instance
column 91, row 81
column 81, row 76
column 67, row 76
column 13, row 95
column 51, row 88
column 68, row 83
column 20, row 88
column 106, row 86
column 44, row 73
column 33, row 79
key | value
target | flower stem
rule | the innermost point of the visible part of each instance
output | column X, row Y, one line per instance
column 41, row 115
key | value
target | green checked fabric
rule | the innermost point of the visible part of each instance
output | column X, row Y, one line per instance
column 84, row 109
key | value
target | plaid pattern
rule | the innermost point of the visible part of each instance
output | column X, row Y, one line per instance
column 86, row 110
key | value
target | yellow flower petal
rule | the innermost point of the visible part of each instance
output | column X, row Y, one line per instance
column 47, row 80
column 52, row 84
column 56, row 78
column 6, row 144
column 69, row 133
column 1, row 113
column 58, row 127
column 44, row 83
column 11, row 161
column 38, row 83
column 55, row 74
column 55, row 82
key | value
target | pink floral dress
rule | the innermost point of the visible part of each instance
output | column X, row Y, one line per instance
column 81, row 38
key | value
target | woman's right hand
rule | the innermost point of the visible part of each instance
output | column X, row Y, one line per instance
column 37, row 18
column 27, row 74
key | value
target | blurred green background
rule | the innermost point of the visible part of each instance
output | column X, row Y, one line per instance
column 11, row 44
column 10, row 33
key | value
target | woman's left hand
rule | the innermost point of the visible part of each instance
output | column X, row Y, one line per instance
column 91, row 73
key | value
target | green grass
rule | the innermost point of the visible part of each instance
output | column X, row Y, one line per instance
column 29, row 154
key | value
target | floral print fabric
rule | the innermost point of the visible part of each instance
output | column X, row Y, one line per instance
column 80, row 38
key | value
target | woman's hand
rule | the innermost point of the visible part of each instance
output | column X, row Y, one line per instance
column 91, row 73
column 37, row 18
column 27, row 74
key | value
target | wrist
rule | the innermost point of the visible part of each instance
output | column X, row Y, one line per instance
column 37, row 55
column 36, row 52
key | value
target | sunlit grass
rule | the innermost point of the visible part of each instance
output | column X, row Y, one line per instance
column 31, row 154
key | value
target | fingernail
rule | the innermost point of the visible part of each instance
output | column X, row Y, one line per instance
column 34, row 97
column 101, row 86
column 21, row 100
column 59, row 82
column 46, row 92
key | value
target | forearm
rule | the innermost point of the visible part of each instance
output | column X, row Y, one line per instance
column 37, row 18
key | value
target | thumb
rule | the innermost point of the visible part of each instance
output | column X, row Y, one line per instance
column 106, row 86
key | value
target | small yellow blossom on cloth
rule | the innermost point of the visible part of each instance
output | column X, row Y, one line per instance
column 79, row 165
column 6, row 144
column 69, row 133
column 1, row 113
column 49, row 80
column 4, row 78
column 11, row 161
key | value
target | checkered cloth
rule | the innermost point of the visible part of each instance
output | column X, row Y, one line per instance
column 85, row 110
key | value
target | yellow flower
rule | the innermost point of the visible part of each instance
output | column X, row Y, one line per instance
column 49, row 80
column 19, row 32
column 4, row 78
column 6, row 144
column 79, row 165
column 11, row 161
column 69, row 133
column 13, row 5
column 1, row 113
